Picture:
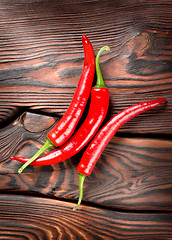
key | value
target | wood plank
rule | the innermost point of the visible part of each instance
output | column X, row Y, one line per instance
column 40, row 218
column 41, row 56
column 132, row 173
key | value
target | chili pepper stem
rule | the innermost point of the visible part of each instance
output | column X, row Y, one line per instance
column 46, row 145
column 81, row 186
column 100, row 82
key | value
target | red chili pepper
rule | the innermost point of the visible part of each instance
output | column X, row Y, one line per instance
column 103, row 137
column 67, row 124
column 97, row 112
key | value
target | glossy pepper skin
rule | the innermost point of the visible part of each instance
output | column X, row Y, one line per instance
column 67, row 124
column 103, row 137
column 97, row 113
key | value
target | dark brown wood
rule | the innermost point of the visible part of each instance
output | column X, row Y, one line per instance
column 42, row 55
column 41, row 59
column 132, row 173
column 40, row 218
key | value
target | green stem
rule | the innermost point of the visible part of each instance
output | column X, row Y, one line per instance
column 46, row 145
column 81, row 186
column 100, row 82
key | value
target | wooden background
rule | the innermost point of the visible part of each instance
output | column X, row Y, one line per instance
column 129, row 193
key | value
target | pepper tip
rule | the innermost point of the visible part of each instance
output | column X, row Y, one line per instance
column 84, row 38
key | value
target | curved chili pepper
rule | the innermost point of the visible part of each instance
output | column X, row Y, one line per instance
column 97, row 112
column 103, row 137
column 67, row 124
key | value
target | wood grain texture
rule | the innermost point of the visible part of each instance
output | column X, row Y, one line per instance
column 41, row 59
column 41, row 55
column 132, row 173
column 40, row 218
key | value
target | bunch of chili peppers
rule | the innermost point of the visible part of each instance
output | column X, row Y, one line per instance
column 70, row 143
